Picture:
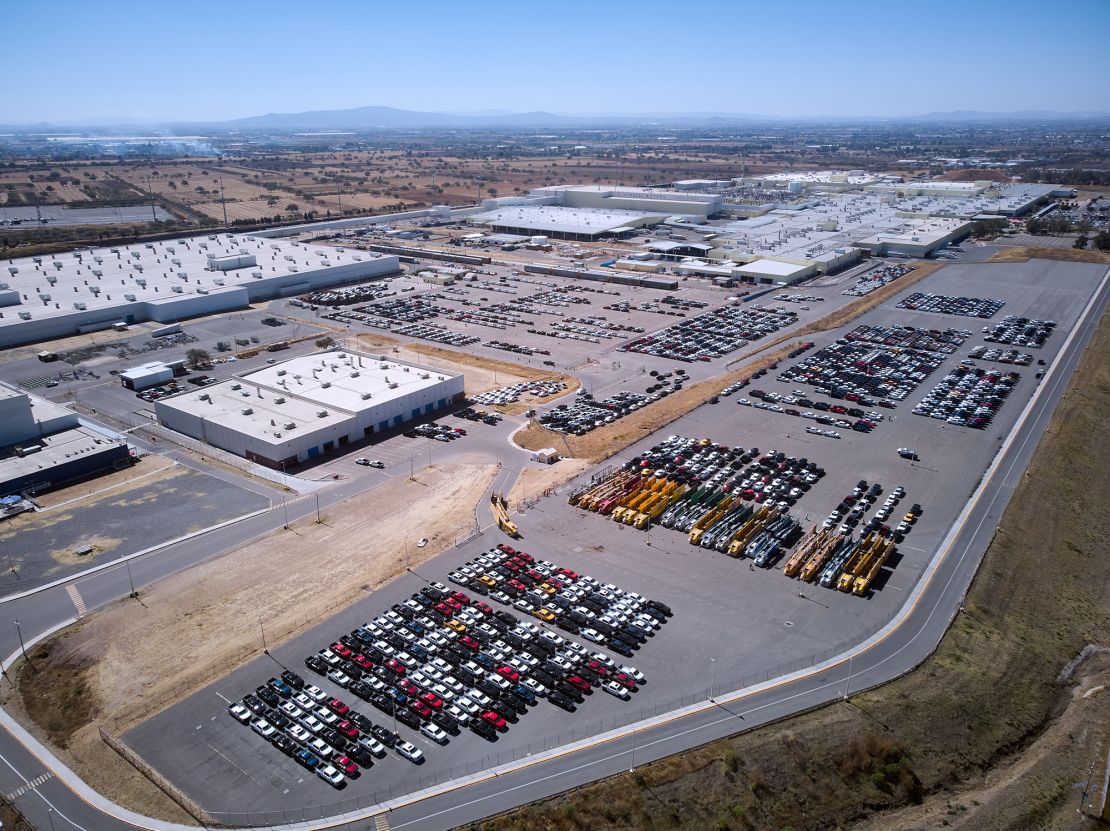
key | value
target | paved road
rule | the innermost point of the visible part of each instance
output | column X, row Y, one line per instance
column 28, row 770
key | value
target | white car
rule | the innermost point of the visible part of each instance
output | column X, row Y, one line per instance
column 312, row 723
column 435, row 733
column 315, row 693
column 478, row 697
column 330, row 774
column 329, row 657
column 304, row 701
column 240, row 713
column 263, row 728
column 373, row 745
column 292, row 710
column 604, row 659
column 535, row 686
column 633, row 673
column 467, row 706
column 457, row 713
column 339, row 678
column 299, row 733
column 327, row 716
column 410, row 752
column 321, row 748
column 613, row 688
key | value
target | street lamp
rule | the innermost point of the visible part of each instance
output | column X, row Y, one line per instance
column 22, row 646
column 712, row 677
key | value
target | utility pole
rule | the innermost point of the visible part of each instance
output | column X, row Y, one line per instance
column 265, row 648
column 223, row 202
column 22, row 646
column 318, row 520
column 127, row 563
column 848, row 681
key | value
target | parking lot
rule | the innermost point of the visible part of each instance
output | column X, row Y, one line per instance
column 730, row 623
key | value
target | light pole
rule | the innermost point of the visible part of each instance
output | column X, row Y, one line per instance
column 318, row 520
column 22, row 646
column 265, row 647
column 414, row 574
column 712, row 677
column 848, row 680
column 127, row 563
column 632, row 765
column 285, row 510
column 50, row 816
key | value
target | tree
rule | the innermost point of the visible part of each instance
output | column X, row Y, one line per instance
column 292, row 206
column 223, row 346
column 491, row 191
column 1102, row 241
column 197, row 358
column 325, row 342
column 1080, row 241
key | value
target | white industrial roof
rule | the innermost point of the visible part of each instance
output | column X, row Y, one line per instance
column 770, row 268
column 557, row 219
column 154, row 272
column 308, row 392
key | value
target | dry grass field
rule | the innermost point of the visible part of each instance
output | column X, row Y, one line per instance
column 1021, row 253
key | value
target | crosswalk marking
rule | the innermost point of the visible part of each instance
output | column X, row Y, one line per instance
column 29, row 786
column 78, row 601
column 381, row 822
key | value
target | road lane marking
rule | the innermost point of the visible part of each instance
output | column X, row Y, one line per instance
column 78, row 601
column 28, row 786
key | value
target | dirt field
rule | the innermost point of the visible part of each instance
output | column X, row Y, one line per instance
column 482, row 373
column 1021, row 253
column 111, row 668
column 532, row 482
column 981, row 736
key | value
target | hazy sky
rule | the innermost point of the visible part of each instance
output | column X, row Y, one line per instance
column 201, row 60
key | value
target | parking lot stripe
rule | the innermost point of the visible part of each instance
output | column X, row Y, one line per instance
column 78, row 601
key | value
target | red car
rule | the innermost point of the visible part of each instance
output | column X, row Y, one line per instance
column 420, row 708
column 528, row 558
column 568, row 573
column 395, row 666
column 508, row 673
column 432, row 700
column 512, row 566
column 346, row 765
column 444, row 609
column 508, row 549
column 579, row 681
column 535, row 575
column 598, row 667
column 493, row 720
column 337, row 707
column 340, row 650
column 347, row 729
column 406, row 686
column 626, row 681
column 362, row 661
column 516, row 584
column 484, row 608
column 469, row 642
column 460, row 597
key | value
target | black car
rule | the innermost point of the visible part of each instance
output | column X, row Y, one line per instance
column 279, row 720
column 477, row 587
column 253, row 704
column 292, row 679
column 559, row 700
column 431, row 592
column 383, row 702
column 489, row 688
column 662, row 607
column 408, row 718
column 553, row 670
column 621, row 648
column 484, row 730
column 457, row 652
column 418, row 652
column 267, row 694
column 285, row 744
column 316, row 664
column 465, row 676
column 446, row 721
column 485, row 661
column 510, row 699
column 332, row 738
column 524, row 693
column 360, row 721
column 506, row 712
column 571, row 692
column 568, row 625
column 360, row 755
column 386, row 737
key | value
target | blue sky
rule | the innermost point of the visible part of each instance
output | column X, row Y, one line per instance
column 209, row 60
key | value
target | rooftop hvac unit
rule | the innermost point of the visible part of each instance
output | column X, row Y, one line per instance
column 171, row 249
column 57, row 264
column 236, row 386
column 247, row 411
column 184, row 275
column 257, row 275
column 280, row 399
column 321, row 413
column 136, row 254
column 365, row 396
column 355, row 374
column 13, row 270
column 80, row 306
column 394, row 385
column 150, row 245
column 44, row 297
column 404, row 369
column 176, row 260
column 97, row 272
column 290, row 425
column 325, row 385
column 282, row 371
column 24, row 315
column 177, row 289
column 51, row 279
column 425, row 376
column 205, row 396
column 129, row 297
column 277, row 435
column 141, row 283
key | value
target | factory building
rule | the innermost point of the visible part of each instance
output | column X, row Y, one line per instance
column 919, row 240
column 91, row 289
column 583, row 224
column 299, row 409
column 43, row 445
column 697, row 206
column 151, row 374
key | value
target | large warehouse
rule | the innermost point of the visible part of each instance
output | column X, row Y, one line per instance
column 585, row 224
column 296, row 410
column 90, row 289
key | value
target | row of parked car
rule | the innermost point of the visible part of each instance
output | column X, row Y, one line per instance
column 945, row 341
column 712, row 334
column 1019, row 331
column 969, row 396
column 512, row 394
column 876, row 279
column 946, row 304
column 576, row 603
column 865, row 421
column 861, row 369
column 432, row 332
column 1003, row 356
column 587, row 413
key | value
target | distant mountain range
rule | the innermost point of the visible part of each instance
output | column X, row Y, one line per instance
column 372, row 117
